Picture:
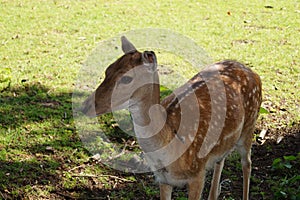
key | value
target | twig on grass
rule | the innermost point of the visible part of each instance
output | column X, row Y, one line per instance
column 102, row 176
column 120, row 154
column 2, row 195
column 83, row 165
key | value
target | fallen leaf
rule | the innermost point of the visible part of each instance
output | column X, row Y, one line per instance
column 269, row 7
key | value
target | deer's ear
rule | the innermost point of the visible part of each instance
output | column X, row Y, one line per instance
column 127, row 46
column 149, row 60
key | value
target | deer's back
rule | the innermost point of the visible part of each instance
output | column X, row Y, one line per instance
column 229, row 97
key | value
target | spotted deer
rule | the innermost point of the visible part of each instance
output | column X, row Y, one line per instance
column 221, row 105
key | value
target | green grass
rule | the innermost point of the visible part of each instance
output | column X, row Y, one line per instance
column 44, row 43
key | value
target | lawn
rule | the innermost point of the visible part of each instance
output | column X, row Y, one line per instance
column 43, row 45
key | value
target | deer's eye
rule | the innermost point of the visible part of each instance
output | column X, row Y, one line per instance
column 126, row 79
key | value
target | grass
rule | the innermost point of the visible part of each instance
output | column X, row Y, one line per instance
column 44, row 43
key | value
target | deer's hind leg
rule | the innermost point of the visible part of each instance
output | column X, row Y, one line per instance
column 244, row 149
column 215, row 183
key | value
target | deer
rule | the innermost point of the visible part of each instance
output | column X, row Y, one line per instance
column 193, row 129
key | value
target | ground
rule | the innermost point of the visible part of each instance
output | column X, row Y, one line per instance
column 263, row 171
column 269, row 180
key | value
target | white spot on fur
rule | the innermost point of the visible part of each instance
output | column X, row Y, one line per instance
column 247, row 103
column 220, row 98
column 196, row 126
column 224, row 109
column 202, row 106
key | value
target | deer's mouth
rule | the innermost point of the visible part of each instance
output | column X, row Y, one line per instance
column 88, row 106
column 92, row 108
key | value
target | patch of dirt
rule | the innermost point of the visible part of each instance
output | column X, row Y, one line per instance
column 280, row 143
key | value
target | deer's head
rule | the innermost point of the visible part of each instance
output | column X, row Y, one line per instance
column 128, row 81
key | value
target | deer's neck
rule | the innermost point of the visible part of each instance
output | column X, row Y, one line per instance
column 149, row 119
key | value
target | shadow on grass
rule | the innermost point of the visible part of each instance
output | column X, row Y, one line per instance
column 32, row 102
column 41, row 156
column 268, row 181
column 17, row 178
column 36, row 139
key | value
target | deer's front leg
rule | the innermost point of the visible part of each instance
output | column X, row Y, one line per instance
column 165, row 192
column 196, row 186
